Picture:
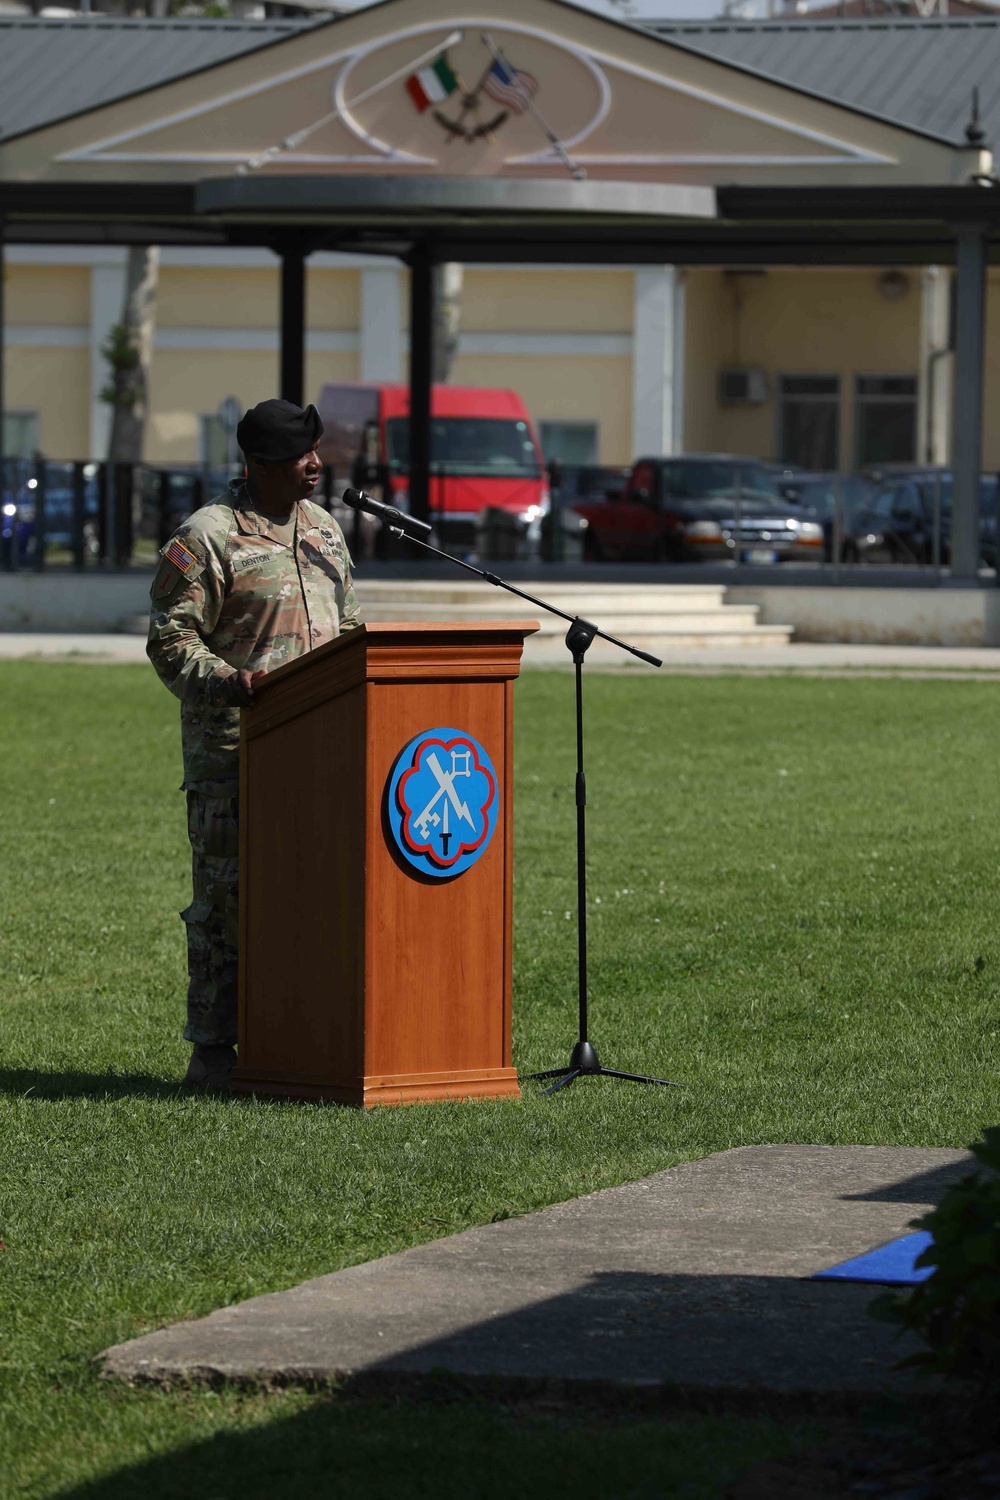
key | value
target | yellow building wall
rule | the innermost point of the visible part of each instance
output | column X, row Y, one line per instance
column 589, row 388
column 786, row 320
column 56, row 384
column 790, row 322
column 188, row 384
column 321, row 368
column 202, row 297
column 333, row 299
column 705, row 335
column 991, row 391
column 48, row 294
column 196, row 297
column 557, row 301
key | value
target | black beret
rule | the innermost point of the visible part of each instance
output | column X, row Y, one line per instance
column 279, row 431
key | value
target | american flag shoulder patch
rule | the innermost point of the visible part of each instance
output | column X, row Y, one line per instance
column 179, row 555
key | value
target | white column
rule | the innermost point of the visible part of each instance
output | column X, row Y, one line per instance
column 967, row 397
column 381, row 333
column 936, row 367
column 107, row 293
column 657, row 361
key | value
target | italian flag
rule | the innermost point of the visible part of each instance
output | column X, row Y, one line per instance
column 431, row 85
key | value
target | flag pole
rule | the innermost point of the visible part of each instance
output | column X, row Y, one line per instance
column 296, row 139
column 577, row 172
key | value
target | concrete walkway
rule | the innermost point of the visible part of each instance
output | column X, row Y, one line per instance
column 691, row 1278
column 806, row 658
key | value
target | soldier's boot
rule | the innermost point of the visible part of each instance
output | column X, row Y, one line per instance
column 211, row 1067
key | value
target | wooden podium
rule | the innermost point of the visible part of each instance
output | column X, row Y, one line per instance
column 362, row 979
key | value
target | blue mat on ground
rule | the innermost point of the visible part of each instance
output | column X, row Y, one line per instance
column 892, row 1264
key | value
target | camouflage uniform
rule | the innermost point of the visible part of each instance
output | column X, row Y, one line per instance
column 229, row 595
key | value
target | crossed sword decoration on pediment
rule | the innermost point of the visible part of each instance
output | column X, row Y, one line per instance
column 470, row 102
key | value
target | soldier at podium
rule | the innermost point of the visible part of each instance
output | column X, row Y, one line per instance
column 248, row 582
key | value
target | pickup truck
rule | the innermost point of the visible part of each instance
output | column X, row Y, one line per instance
column 700, row 507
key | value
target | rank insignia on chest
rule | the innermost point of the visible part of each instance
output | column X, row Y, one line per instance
column 179, row 555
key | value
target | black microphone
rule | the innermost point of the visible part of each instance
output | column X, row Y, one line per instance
column 358, row 500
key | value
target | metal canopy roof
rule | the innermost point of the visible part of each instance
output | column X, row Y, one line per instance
column 918, row 73
column 513, row 220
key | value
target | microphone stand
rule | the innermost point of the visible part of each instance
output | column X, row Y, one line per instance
column 584, row 1061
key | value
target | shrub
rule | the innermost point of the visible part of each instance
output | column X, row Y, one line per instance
column 957, row 1310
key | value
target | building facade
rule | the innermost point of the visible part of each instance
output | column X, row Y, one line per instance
column 823, row 367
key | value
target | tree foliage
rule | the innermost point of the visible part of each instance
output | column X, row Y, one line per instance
column 957, row 1310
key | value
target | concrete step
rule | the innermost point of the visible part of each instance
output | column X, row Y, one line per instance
column 549, row 649
column 574, row 598
column 614, row 620
column 669, row 616
column 645, row 614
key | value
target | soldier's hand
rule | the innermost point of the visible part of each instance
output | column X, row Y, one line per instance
column 237, row 691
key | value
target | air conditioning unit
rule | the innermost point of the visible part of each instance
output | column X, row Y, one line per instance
column 745, row 385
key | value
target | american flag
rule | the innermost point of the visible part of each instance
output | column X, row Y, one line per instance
column 179, row 555
column 511, row 87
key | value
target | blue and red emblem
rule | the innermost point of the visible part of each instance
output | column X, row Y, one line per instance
column 443, row 801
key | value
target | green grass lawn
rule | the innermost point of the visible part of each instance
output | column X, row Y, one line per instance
column 793, row 910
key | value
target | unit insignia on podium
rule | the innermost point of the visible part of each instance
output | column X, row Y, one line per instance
column 442, row 801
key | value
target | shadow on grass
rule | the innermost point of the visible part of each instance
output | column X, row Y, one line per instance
column 448, row 1449
column 34, row 1084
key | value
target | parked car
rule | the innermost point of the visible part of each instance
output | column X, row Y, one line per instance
column 572, row 482
column 48, row 486
column 821, row 494
column 897, row 524
column 701, row 507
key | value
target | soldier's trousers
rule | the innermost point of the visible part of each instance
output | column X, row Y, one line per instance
column 212, row 919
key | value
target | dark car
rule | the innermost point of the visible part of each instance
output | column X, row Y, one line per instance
column 48, row 488
column 899, row 522
column 701, row 507
column 824, row 495
column 572, row 482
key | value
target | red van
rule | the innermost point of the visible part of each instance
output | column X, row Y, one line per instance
column 486, row 460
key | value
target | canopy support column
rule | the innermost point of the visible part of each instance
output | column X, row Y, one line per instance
column 8, row 557
column 293, row 324
column 421, row 376
column 967, row 423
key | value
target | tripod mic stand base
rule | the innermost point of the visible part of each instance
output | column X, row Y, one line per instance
column 585, row 1063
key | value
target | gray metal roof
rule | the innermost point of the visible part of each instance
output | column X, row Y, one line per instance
column 913, row 72
column 51, row 69
column 917, row 73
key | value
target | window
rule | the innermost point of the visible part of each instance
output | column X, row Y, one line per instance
column 809, row 421
column 20, row 434
column 717, row 479
column 885, row 419
column 569, row 442
column 483, row 447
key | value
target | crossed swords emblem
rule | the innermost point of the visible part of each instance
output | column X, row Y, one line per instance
column 427, row 820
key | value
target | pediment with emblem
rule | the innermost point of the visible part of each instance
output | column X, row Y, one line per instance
column 535, row 88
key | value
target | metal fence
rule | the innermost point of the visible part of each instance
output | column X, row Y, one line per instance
column 117, row 516
column 112, row 515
